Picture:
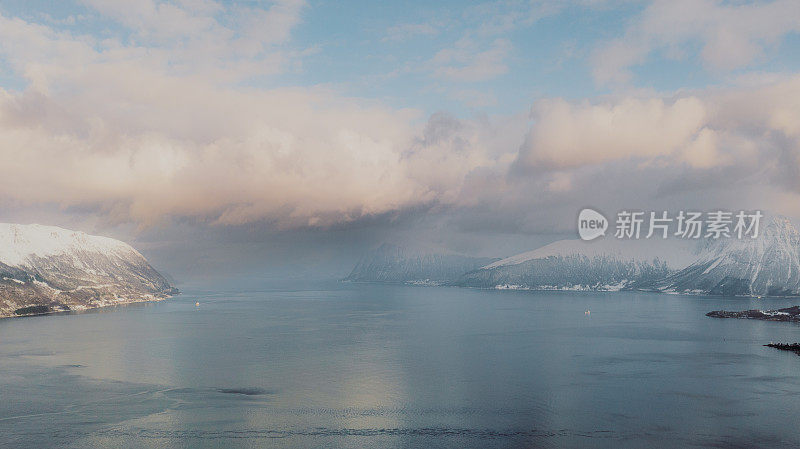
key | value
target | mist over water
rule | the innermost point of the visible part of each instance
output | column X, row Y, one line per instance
column 350, row 365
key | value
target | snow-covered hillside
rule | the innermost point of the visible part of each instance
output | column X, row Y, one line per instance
column 767, row 265
column 46, row 268
column 676, row 254
column 21, row 244
column 605, row 264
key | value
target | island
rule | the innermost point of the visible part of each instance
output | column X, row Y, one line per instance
column 787, row 314
column 793, row 347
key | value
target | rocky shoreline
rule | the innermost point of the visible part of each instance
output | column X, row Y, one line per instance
column 794, row 347
column 54, row 307
column 787, row 314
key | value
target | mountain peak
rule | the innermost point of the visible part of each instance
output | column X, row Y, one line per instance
column 19, row 243
column 51, row 268
column 766, row 265
column 780, row 225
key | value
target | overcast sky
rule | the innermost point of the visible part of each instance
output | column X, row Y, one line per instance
column 284, row 135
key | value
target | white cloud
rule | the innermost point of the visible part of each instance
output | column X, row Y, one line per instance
column 466, row 61
column 141, row 131
column 193, row 150
column 743, row 124
column 203, row 37
column 112, row 126
column 731, row 34
column 570, row 135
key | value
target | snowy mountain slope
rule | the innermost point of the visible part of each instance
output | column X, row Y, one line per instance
column 767, row 265
column 391, row 263
column 46, row 268
column 676, row 254
column 605, row 264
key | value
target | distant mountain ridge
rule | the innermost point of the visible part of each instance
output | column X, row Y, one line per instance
column 395, row 264
column 49, row 269
column 768, row 265
column 608, row 264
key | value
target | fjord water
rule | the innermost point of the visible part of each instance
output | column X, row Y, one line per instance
column 348, row 365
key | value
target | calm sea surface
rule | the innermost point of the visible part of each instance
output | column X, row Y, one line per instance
column 342, row 365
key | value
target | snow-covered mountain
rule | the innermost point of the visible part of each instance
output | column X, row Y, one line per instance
column 605, row 264
column 391, row 263
column 766, row 265
column 46, row 269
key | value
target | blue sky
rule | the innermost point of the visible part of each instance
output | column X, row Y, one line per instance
column 545, row 57
column 385, row 51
